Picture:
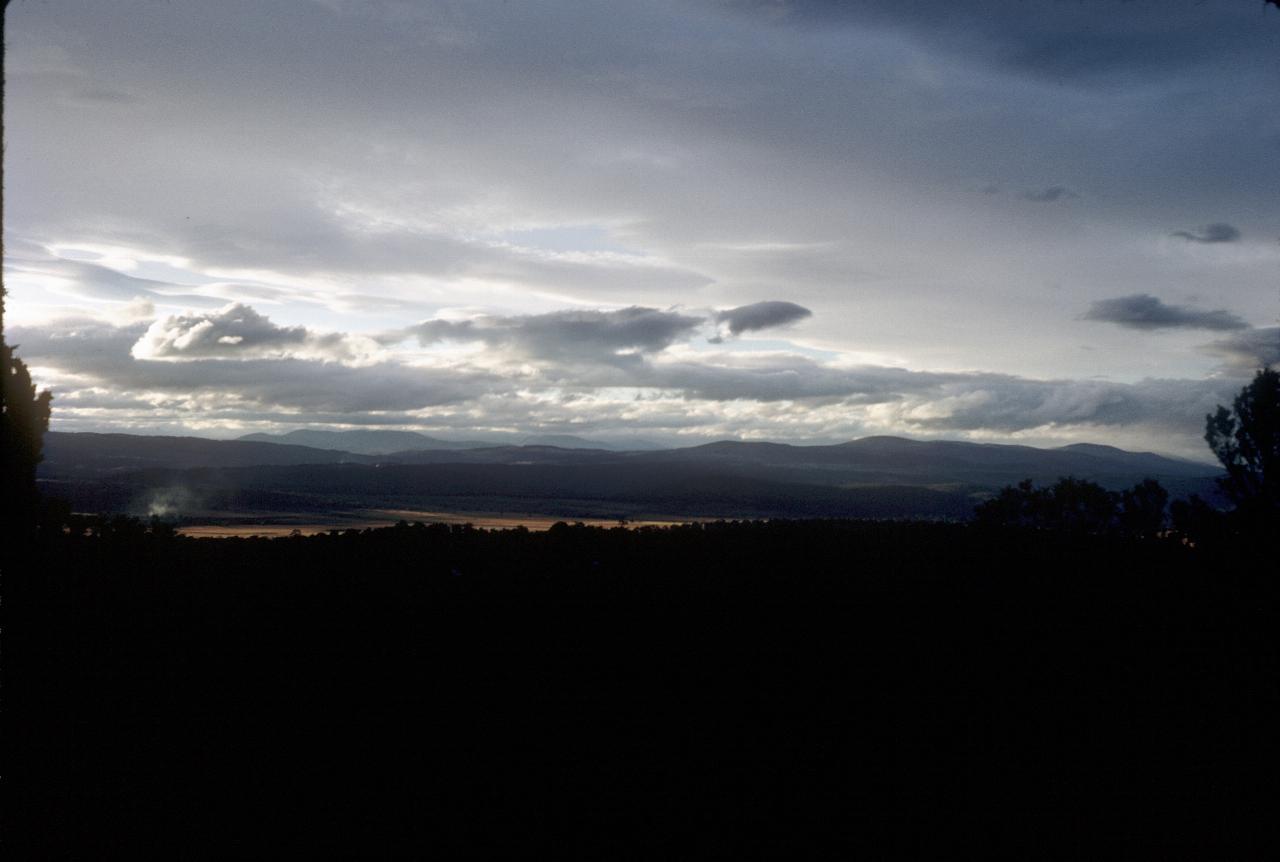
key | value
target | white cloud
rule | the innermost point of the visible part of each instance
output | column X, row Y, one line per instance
column 98, row 379
column 239, row 332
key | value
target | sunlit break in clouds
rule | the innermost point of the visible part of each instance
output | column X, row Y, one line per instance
column 1029, row 220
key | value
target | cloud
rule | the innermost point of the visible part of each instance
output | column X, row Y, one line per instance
column 93, row 354
column 781, row 377
column 1144, row 311
column 945, row 402
column 587, row 335
column 1211, row 233
column 761, row 315
column 237, row 331
column 94, row 281
column 1049, row 195
column 307, row 240
column 772, row 394
column 1007, row 404
column 1249, row 350
column 1079, row 42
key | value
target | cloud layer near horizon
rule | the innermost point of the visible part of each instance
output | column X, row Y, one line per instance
column 139, row 371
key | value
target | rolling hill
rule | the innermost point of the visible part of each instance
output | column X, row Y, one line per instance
column 371, row 442
column 872, row 477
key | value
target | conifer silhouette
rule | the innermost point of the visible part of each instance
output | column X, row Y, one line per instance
column 1246, row 440
column 24, row 418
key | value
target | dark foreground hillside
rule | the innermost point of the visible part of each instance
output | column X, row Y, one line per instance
column 789, row 688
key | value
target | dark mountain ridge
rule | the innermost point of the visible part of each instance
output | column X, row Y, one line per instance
column 371, row 442
column 872, row 477
column 900, row 451
column 88, row 453
column 870, row 459
column 384, row 442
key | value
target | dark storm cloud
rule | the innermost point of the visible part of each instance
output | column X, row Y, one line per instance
column 1249, row 350
column 785, row 378
column 953, row 402
column 1144, row 311
column 1211, row 233
column 1082, row 41
column 761, row 315
column 1010, row 404
column 98, row 354
column 77, row 343
column 568, row 335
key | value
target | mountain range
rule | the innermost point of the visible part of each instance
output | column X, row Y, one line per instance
column 870, row 477
column 379, row 442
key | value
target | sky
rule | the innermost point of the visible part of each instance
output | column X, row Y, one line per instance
column 1027, row 221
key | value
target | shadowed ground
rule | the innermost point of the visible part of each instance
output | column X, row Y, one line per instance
column 792, row 688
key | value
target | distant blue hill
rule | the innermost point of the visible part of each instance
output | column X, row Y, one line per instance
column 381, row 442
column 871, row 477
column 570, row 441
column 373, row 442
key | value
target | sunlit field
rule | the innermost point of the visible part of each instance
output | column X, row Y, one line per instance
column 389, row 517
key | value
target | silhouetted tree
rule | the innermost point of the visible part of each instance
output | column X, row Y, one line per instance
column 1021, row 505
column 1077, row 506
column 1246, row 439
column 1142, row 508
column 1080, row 506
column 1074, row 505
column 24, row 417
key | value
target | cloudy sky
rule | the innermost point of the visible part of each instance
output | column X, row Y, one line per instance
column 1041, row 221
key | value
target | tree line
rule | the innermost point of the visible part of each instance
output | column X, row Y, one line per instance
column 1246, row 441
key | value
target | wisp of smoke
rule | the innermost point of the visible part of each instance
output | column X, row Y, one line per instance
column 169, row 502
